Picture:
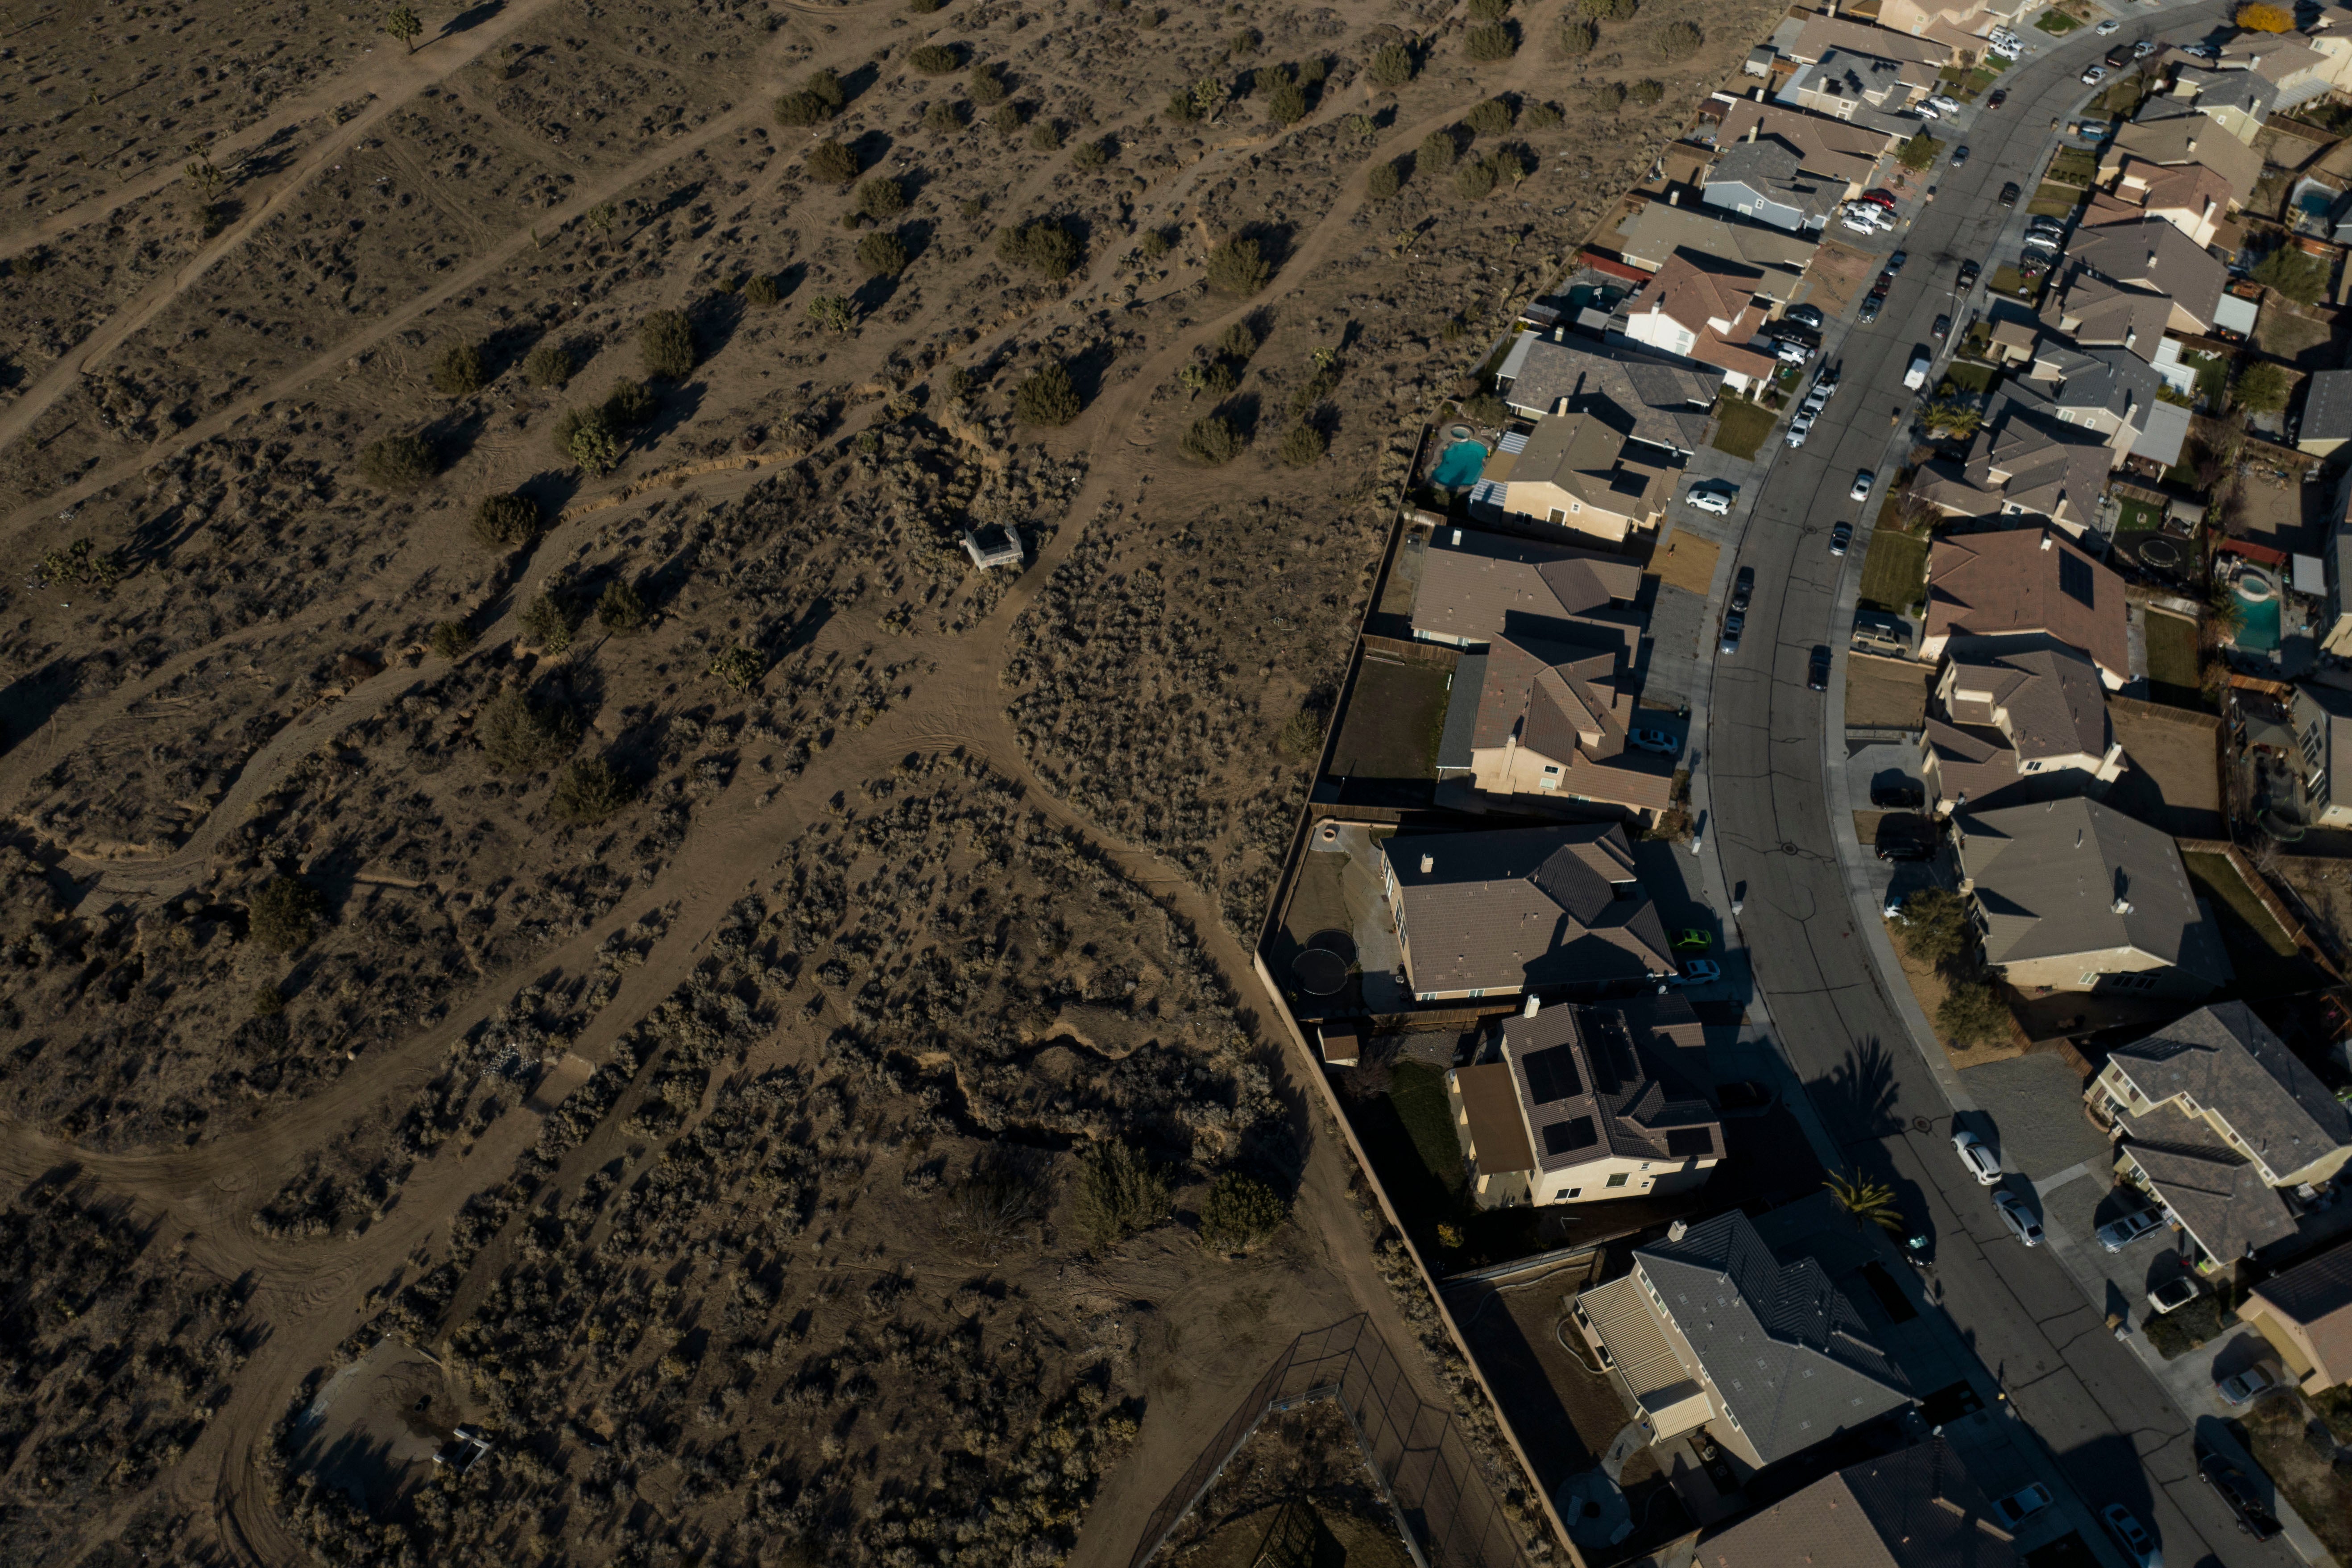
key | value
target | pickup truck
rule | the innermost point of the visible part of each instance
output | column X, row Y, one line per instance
column 1916, row 376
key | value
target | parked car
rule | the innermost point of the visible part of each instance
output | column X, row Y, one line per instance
column 2238, row 1489
column 1978, row 1157
column 1895, row 262
column 2009, row 195
column 2043, row 242
column 1839, row 537
column 1970, row 273
column 1789, row 352
column 1906, row 849
column 2247, row 1386
column 2094, row 76
column 2018, row 1218
column 1742, row 586
column 2021, row 1505
column 1691, row 938
column 1960, row 156
column 1700, row 972
column 1853, row 223
column 1714, row 502
column 1869, row 312
column 1863, row 479
column 2174, row 1294
column 2043, row 224
column 1885, row 279
column 1798, row 431
column 1806, row 315
column 1925, row 110
column 2124, row 1229
column 2145, row 48
column 1944, row 104
column 1816, row 672
column 1829, row 379
column 2108, row 27
column 2137, row 1544
column 1999, row 95
column 1880, row 194
column 1943, row 326
column 2119, row 57
column 1655, row 740
column 1733, row 624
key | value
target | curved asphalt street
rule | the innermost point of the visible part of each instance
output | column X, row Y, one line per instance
column 2114, row 1433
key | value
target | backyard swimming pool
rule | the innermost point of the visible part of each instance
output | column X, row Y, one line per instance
column 1461, row 464
column 2258, row 613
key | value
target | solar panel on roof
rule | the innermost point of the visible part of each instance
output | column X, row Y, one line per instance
column 1566, row 1136
column 1688, row 1141
column 2074, row 579
column 1551, row 1075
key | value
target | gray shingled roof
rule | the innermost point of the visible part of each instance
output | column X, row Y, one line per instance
column 1784, row 1351
column 1642, row 398
column 1524, row 907
column 2229, row 1062
column 2208, row 1185
column 1915, row 1508
column 1454, row 743
column 1587, row 1075
column 2328, row 406
column 1490, row 583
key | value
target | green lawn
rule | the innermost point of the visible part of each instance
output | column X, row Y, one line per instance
column 2172, row 663
column 1971, row 377
column 2008, row 280
column 2212, row 376
column 2073, row 166
column 1895, row 572
column 1741, row 427
column 2057, row 23
column 2137, row 515
column 2054, row 200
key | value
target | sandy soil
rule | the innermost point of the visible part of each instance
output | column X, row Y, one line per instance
column 1885, row 693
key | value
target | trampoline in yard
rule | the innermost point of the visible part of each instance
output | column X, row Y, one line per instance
column 2161, row 553
column 1321, row 969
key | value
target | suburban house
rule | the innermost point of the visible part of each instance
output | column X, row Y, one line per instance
column 1845, row 83
column 2151, row 256
column 1476, row 586
column 2216, row 1119
column 2296, row 72
column 1547, row 719
column 2192, row 197
column 1659, row 231
column 2012, row 590
column 1642, row 397
column 2322, row 731
column 2306, row 1315
column 2023, row 462
column 2237, row 100
column 2326, row 412
column 2097, row 312
column 2183, row 140
column 1583, row 1105
column 1707, row 313
column 1763, row 181
column 1494, row 914
column 1709, row 1328
column 1966, row 21
column 2072, row 895
column 1832, row 150
column 2020, row 729
column 1578, row 473
column 2112, row 390
column 1915, row 1508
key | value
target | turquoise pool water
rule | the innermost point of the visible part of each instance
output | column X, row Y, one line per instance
column 2258, row 627
column 1460, row 466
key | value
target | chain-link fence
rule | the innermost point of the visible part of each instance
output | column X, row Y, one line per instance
column 1414, row 1447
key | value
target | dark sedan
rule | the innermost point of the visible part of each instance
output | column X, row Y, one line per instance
column 2008, row 194
column 1817, row 674
column 1999, row 96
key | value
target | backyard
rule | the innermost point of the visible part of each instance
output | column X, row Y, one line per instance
column 1391, row 729
column 2173, row 665
column 1741, row 427
column 1409, row 1134
column 2266, row 961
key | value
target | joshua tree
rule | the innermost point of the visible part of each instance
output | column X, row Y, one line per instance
column 401, row 24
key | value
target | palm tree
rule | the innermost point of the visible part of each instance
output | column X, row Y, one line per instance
column 1867, row 1201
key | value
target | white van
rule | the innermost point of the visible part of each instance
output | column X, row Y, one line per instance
column 1916, row 376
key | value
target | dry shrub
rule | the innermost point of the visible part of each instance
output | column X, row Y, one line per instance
column 1118, row 1193
column 503, row 522
column 397, row 462
column 519, row 736
column 284, row 914
column 1212, row 442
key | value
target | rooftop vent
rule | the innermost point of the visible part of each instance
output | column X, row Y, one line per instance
column 2123, row 906
column 1532, row 1003
column 1457, row 536
column 1676, row 1231
column 2046, row 541
column 1428, row 864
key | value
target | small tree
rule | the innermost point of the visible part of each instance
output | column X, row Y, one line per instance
column 1609, row 10
column 762, row 292
column 2263, row 387
column 1493, row 116
column 1679, row 40
column 1212, row 442
column 284, row 914
column 1492, row 41
column 1541, row 116
column 518, row 736
column 550, row 620
column 548, row 366
column 403, row 23
column 1475, row 179
column 621, row 610
column 1606, row 96
column 882, row 255
column 1240, row 1213
column 881, row 197
column 1973, row 1014
column 592, row 444
column 1303, row 445
column 1437, row 152
column 1091, row 153
column 1007, row 120
column 944, row 117
column 1392, row 66
column 1046, row 136
column 1489, row 10
column 1181, row 108
column 397, row 462
column 1952, row 416
column 796, row 110
column 1248, row 41
column 1236, row 267
column 1936, row 929
column 739, row 670
column 985, row 86
column 824, row 85
column 503, row 522
column 1118, row 1193
column 934, row 59
column 588, row 790
column 1867, row 1202
column 450, row 639
column 831, row 163
column 1381, row 182
column 1286, row 104
column 1918, row 151
column 832, row 312
column 1044, row 248
column 666, row 343
column 1577, row 38
column 1646, row 91
column 2263, row 18
column 458, row 370
column 1046, row 397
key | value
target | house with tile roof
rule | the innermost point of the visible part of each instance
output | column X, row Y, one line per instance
column 2010, row 590
column 1963, row 23
column 1475, row 586
column 2215, row 1118
column 2012, row 731
column 2072, row 895
column 2237, row 100
column 1915, row 1508
column 1710, row 1329
column 1833, row 149
column 1581, row 475
column 1496, row 914
column 1764, row 181
column 1660, row 230
column 1709, row 312
column 2150, row 256
column 1587, row 1104
column 2192, row 197
column 1549, row 722
column 2183, row 140
column 1643, row 398
column 2306, row 1315
column 2023, row 463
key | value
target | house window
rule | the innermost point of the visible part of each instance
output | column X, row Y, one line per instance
column 1618, row 1180
column 1555, row 515
column 1476, row 995
column 1576, row 506
column 1576, row 1192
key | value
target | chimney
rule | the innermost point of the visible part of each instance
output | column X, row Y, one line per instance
column 1458, row 537
column 2131, row 336
column 2045, row 540
column 1755, row 128
column 1674, row 198
column 2123, row 906
column 1428, row 864
column 1676, row 1231
column 1532, row 1006
column 2192, row 144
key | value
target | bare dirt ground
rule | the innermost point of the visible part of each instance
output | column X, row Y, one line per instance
column 1885, row 693
column 673, row 965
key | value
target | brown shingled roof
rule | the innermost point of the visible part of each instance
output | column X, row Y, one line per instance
column 2024, row 580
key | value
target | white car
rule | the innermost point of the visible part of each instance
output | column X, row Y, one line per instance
column 1978, row 1157
column 1863, row 479
column 2021, row 1505
column 2124, row 1229
column 1799, row 430
column 1945, row 105
column 2137, row 1544
column 2018, row 1218
column 2174, row 1294
column 2041, row 242
column 1853, row 225
column 2094, row 76
column 1714, row 502
column 1657, row 741
column 2108, row 27
column 2246, row 1386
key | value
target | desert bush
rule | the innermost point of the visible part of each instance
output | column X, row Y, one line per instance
column 1493, row 116
column 1541, row 116
column 550, row 620
column 1118, row 1193
column 797, row 110
column 665, row 344
column 585, row 437
column 1491, row 41
column 824, row 85
column 621, row 610
column 944, row 117
column 1475, row 179
column 1679, row 40
column 1647, row 90
column 518, row 736
column 738, row 669
column 1489, row 10
column 1510, row 165
column 397, row 462
column 1248, row 41
column 284, row 915
column 458, row 370
column 1577, row 37
column 1212, row 442
column 1236, row 267
column 450, row 639
column 1392, row 66
column 830, row 162
column 1091, row 153
column 986, row 85
column 1183, row 107
column 882, row 255
column 1303, row 445
column 1212, row 379
column 268, row 1000
column 548, row 366
column 1007, row 119
column 1237, row 342
column 1437, row 152
column 1302, row 732
column 1286, row 104
column 762, row 292
column 1381, row 184
column 1973, row 1014
column 1046, row 136
column 990, row 1208
column 1609, row 10
column 1046, row 396
column 924, row 7
column 934, row 59
column 628, row 405
column 1607, row 95
column 833, row 313
column 1044, row 248
column 588, row 790
column 881, row 197
column 504, row 521
column 1155, row 243
column 1241, row 1211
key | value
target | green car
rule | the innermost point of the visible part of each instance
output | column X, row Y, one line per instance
column 1693, row 940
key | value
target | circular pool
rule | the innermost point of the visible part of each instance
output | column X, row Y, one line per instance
column 2257, row 594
